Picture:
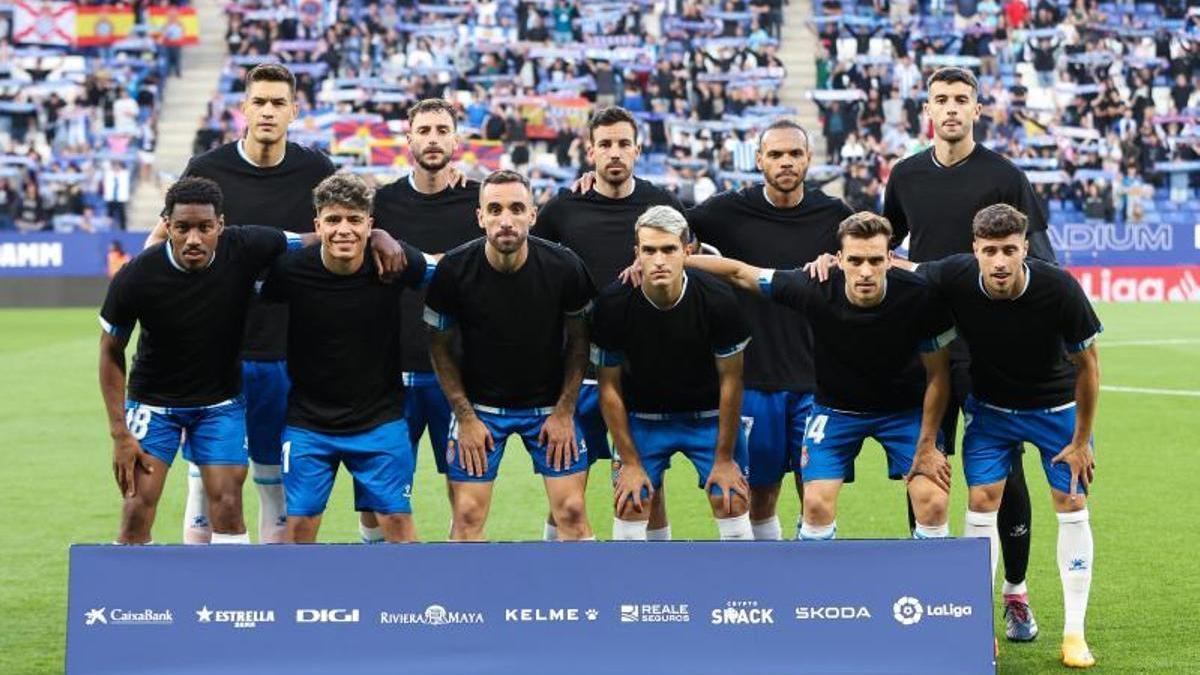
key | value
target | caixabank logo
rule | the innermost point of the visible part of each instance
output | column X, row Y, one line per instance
column 102, row 616
column 742, row 613
column 910, row 611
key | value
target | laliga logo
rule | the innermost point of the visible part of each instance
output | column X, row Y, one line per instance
column 907, row 610
column 327, row 616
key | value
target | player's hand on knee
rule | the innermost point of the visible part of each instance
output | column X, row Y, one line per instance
column 474, row 444
column 728, row 477
column 127, row 457
column 1082, row 460
column 819, row 268
column 631, row 480
column 584, row 182
column 388, row 254
column 558, row 437
column 932, row 464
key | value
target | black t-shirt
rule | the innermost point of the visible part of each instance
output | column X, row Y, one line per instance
column 1018, row 347
column 668, row 355
column 512, row 325
column 343, row 340
column 435, row 224
column 936, row 204
column 744, row 225
column 867, row 357
column 598, row 229
column 277, row 196
column 192, row 322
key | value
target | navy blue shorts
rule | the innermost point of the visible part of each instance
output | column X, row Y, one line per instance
column 591, row 421
column 265, row 386
column 776, row 422
column 426, row 407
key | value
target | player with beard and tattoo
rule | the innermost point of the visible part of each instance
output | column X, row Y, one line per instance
column 598, row 225
column 268, row 181
column 432, row 211
column 781, row 224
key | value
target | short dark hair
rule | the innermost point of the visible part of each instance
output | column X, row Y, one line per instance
column 343, row 189
column 610, row 115
column 864, row 225
column 785, row 123
column 271, row 72
column 432, row 105
column 952, row 74
column 194, row 190
column 998, row 221
column 502, row 177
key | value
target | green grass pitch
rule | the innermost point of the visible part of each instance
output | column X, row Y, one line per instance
column 56, row 487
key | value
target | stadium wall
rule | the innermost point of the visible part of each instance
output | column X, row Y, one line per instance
column 1142, row 262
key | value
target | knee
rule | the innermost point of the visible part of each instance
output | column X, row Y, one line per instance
column 738, row 505
column 929, row 505
column 818, row 508
column 469, row 512
column 571, row 512
column 763, row 502
column 985, row 498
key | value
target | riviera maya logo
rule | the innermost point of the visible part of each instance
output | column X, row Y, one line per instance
column 908, row 610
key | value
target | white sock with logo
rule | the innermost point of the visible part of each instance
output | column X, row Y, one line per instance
column 196, row 527
column 1015, row 589
column 661, row 534
column 983, row 524
column 224, row 538
column 272, row 506
column 549, row 532
column 629, row 530
column 767, row 530
column 370, row 535
column 1075, row 560
column 737, row 528
column 809, row 532
column 922, row 531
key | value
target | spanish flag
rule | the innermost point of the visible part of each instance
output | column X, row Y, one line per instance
column 175, row 26
column 102, row 24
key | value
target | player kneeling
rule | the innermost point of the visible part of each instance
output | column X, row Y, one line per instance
column 870, row 323
column 669, row 353
column 346, row 403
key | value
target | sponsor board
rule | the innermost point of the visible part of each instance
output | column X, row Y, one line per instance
column 742, row 613
column 239, row 618
column 327, row 616
column 433, row 615
column 549, row 614
column 832, row 613
column 655, row 613
column 910, row 611
column 1140, row 284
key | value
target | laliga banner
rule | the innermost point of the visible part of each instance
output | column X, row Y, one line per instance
column 711, row 607
column 1132, row 262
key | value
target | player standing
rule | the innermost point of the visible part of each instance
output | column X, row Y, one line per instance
column 346, row 403
column 512, row 299
column 780, row 224
column 598, row 225
column 431, row 212
column 190, row 295
column 869, row 322
column 267, row 180
column 669, row 354
column 933, row 196
column 1035, row 377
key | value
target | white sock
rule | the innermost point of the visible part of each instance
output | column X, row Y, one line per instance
column 1075, row 561
column 1015, row 589
column 196, row 527
column 809, row 532
column 931, row 531
column 767, row 530
column 591, row 538
column 661, row 534
column 983, row 524
column 121, row 543
column 799, row 526
column 737, row 528
column 222, row 538
column 549, row 532
column 370, row 535
column 629, row 530
column 272, row 506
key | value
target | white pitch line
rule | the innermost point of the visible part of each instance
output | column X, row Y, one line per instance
column 1149, row 343
column 1145, row 390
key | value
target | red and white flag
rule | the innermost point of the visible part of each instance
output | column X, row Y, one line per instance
column 46, row 23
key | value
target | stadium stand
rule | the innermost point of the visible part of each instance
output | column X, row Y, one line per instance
column 1096, row 101
column 78, row 118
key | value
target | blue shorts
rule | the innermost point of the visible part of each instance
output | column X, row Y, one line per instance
column 833, row 439
column 776, row 421
column 502, row 423
column 590, row 419
column 208, row 435
column 992, row 438
column 658, row 437
column 380, row 460
column 265, row 386
column 425, row 406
